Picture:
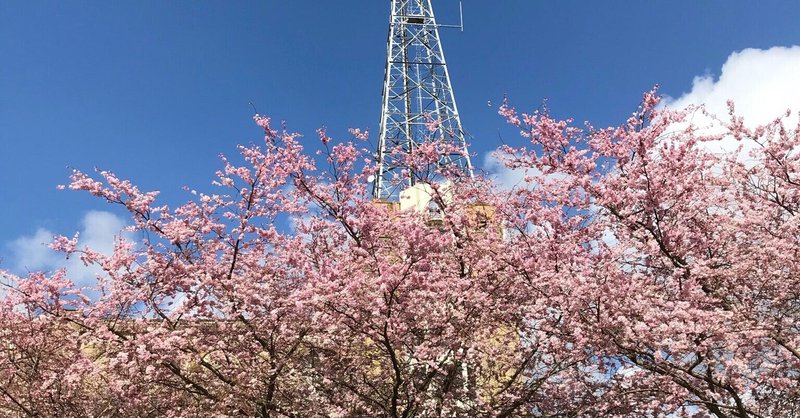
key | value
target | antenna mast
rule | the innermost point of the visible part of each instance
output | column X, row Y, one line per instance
column 416, row 94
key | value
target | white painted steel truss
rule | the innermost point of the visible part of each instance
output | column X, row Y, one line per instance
column 418, row 103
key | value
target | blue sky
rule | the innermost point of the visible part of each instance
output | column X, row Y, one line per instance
column 156, row 90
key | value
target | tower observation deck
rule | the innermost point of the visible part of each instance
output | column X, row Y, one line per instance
column 418, row 103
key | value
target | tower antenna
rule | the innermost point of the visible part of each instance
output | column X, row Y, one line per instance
column 461, row 14
column 417, row 94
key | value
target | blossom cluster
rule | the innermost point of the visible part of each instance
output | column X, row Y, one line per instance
column 642, row 276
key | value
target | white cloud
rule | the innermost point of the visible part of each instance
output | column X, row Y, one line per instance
column 30, row 253
column 98, row 232
column 762, row 82
column 504, row 177
column 514, row 178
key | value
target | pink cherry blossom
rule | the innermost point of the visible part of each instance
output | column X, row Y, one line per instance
column 641, row 276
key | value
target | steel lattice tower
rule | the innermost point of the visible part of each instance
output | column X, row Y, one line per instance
column 416, row 92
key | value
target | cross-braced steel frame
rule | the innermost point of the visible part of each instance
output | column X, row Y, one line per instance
column 418, row 103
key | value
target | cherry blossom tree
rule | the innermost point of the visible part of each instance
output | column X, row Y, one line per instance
column 637, row 275
column 677, row 266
